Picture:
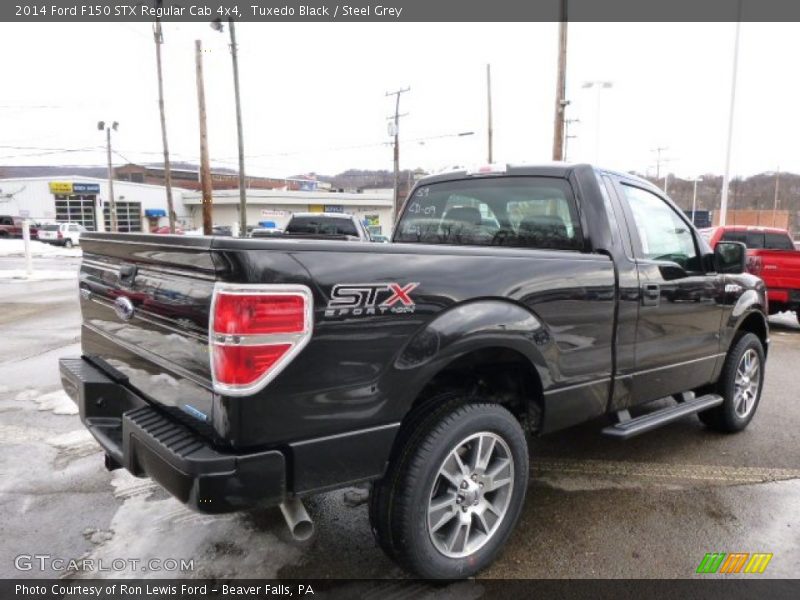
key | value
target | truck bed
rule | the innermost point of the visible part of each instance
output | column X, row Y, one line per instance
column 366, row 367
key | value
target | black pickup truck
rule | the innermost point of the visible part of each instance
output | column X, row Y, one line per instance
column 513, row 301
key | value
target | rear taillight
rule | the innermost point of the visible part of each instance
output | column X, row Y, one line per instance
column 754, row 265
column 60, row 235
column 255, row 331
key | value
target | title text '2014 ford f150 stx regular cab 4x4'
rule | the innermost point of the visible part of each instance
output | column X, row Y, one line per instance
column 513, row 301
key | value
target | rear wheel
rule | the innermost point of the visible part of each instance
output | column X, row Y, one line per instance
column 68, row 243
column 455, row 491
column 740, row 385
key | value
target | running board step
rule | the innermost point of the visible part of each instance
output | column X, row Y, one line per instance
column 629, row 427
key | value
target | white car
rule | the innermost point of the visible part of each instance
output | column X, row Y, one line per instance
column 61, row 234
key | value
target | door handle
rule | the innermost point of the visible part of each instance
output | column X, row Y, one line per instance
column 651, row 294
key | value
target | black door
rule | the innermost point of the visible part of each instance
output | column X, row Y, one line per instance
column 677, row 332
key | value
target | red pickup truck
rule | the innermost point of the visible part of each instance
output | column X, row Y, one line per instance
column 771, row 255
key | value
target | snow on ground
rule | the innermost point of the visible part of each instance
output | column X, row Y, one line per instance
column 19, row 275
column 16, row 247
column 58, row 402
column 152, row 525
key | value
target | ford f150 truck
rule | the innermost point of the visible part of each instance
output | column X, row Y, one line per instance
column 513, row 301
column 772, row 256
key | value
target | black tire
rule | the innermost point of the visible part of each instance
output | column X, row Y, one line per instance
column 68, row 243
column 729, row 416
column 399, row 503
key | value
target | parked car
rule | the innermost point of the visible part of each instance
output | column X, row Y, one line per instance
column 771, row 254
column 327, row 226
column 222, row 230
column 62, row 234
column 12, row 227
column 513, row 301
column 259, row 232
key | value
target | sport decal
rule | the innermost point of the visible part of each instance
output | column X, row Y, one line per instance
column 357, row 299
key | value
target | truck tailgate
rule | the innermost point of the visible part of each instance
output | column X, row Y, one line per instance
column 145, row 305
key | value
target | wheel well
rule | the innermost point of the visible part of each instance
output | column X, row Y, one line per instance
column 493, row 374
column 753, row 323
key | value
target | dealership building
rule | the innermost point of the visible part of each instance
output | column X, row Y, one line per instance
column 75, row 199
column 143, row 207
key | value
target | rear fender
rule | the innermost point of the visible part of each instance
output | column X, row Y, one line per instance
column 466, row 328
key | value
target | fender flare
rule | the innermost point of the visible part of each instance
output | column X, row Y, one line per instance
column 469, row 327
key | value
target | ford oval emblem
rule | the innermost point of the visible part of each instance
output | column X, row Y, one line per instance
column 124, row 308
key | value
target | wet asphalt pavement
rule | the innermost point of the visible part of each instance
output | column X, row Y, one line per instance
column 596, row 507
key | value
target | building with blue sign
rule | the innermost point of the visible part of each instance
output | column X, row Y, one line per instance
column 82, row 200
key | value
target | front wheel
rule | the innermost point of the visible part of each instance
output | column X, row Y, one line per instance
column 455, row 491
column 740, row 385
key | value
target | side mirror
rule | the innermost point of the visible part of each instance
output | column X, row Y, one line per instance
column 730, row 257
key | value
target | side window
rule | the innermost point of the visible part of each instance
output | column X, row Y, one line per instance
column 663, row 234
column 734, row 236
column 6, row 221
column 777, row 241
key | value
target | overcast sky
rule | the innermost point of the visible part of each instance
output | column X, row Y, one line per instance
column 313, row 94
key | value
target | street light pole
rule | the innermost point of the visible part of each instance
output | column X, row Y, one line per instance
column 112, row 205
column 694, row 197
column 723, row 209
column 599, row 85
column 775, row 200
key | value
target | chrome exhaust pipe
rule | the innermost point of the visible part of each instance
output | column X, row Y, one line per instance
column 300, row 524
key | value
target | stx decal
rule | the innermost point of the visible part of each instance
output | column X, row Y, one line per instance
column 735, row 562
column 361, row 299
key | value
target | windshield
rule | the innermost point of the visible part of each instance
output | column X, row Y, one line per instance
column 531, row 212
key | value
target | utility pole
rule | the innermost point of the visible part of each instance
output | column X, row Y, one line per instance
column 205, row 171
column 490, row 131
column 159, row 39
column 112, row 205
column 561, row 85
column 723, row 209
column 396, row 131
column 775, row 200
column 567, row 136
column 659, row 160
column 217, row 26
